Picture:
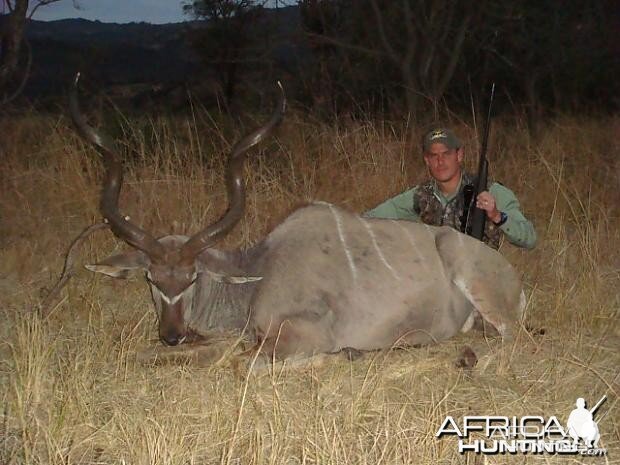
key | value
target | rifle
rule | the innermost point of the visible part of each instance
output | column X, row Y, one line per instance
column 598, row 404
column 474, row 218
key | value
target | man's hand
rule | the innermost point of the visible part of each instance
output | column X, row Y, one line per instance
column 485, row 201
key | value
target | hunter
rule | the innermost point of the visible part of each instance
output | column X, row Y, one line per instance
column 440, row 201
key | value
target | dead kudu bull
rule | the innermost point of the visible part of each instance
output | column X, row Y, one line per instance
column 324, row 280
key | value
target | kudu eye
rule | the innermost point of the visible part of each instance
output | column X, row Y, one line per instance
column 154, row 284
column 149, row 279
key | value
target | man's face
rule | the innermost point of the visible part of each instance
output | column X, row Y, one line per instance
column 443, row 163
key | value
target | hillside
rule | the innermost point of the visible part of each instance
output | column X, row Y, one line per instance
column 108, row 53
column 115, row 55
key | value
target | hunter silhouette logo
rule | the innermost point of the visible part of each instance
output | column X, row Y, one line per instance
column 581, row 424
column 528, row 434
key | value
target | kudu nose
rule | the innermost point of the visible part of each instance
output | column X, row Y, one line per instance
column 171, row 340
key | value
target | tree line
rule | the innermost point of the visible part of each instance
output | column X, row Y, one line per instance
column 418, row 56
column 392, row 57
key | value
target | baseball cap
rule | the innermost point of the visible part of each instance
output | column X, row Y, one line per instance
column 440, row 135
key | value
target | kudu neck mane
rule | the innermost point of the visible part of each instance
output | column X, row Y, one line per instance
column 225, row 306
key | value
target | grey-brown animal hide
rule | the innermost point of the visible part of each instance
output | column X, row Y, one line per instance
column 332, row 279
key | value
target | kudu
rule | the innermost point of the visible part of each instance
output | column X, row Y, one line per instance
column 323, row 280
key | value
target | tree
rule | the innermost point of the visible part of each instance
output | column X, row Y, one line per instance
column 227, row 41
column 12, row 28
column 544, row 54
column 551, row 55
column 427, row 43
column 413, row 46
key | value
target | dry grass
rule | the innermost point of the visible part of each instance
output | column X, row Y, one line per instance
column 72, row 390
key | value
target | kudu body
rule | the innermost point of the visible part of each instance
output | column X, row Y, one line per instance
column 323, row 280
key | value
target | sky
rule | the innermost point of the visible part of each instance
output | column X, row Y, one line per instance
column 115, row 11
column 119, row 11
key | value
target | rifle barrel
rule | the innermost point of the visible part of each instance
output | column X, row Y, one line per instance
column 487, row 126
column 477, row 217
column 598, row 404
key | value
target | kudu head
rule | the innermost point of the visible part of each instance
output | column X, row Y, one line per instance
column 172, row 263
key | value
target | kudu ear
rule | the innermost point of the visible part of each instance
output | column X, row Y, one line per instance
column 119, row 266
column 222, row 270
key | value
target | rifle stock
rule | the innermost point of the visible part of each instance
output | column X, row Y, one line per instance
column 478, row 217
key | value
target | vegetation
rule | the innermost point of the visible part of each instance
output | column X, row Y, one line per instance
column 406, row 58
column 229, row 42
column 91, row 384
column 73, row 388
column 12, row 40
column 411, row 56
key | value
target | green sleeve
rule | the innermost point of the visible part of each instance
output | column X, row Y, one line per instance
column 517, row 228
column 396, row 208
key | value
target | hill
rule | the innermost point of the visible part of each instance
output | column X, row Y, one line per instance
column 118, row 57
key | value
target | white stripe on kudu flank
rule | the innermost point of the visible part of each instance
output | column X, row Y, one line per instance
column 344, row 242
column 462, row 285
column 371, row 233
column 413, row 244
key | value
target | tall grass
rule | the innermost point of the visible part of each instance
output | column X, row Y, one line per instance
column 72, row 388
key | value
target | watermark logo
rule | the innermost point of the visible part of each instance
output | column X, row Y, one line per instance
column 581, row 424
column 529, row 434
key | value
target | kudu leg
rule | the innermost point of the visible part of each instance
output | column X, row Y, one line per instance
column 296, row 337
column 207, row 353
column 484, row 278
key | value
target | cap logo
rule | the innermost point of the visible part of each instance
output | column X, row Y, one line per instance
column 439, row 134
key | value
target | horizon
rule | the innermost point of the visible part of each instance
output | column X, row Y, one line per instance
column 114, row 11
column 120, row 11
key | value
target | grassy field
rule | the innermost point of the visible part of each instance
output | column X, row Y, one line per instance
column 73, row 391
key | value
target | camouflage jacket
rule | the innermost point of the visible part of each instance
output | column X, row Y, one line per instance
column 433, row 207
column 430, row 210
